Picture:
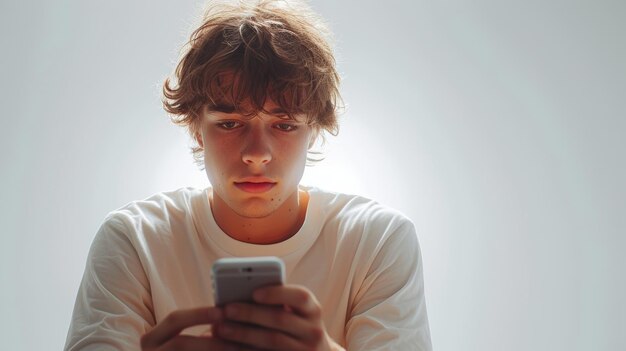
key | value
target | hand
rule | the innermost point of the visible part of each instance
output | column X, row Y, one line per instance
column 165, row 335
column 286, row 317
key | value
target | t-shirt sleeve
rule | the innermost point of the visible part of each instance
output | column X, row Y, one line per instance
column 389, row 309
column 113, row 307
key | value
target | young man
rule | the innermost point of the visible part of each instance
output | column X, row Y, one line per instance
column 256, row 87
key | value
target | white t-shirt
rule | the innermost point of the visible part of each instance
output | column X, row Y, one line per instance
column 151, row 257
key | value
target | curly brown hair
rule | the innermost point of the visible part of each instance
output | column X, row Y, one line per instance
column 274, row 49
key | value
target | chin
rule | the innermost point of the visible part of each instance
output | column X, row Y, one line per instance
column 255, row 212
column 256, row 208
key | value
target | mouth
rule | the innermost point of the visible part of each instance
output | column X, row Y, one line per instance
column 251, row 187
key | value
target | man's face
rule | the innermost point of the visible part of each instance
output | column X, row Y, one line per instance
column 239, row 151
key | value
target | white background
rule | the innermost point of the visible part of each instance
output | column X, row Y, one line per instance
column 495, row 125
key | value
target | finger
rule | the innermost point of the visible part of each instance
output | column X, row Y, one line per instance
column 194, row 343
column 271, row 317
column 266, row 339
column 176, row 321
column 298, row 298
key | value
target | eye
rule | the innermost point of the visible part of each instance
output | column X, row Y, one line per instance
column 286, row 127
column 228, row 124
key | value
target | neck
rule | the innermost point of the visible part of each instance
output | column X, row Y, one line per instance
column 280, row 225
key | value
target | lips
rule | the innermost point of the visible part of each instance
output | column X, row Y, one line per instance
column 252, row 187
column 256, row 179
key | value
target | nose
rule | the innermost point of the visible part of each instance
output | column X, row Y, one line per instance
column 256, row 150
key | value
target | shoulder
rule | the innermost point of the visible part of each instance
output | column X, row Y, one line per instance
column 375, row 238
column 359, row 215
column 156, row 215
column 357, row 210
column 159, row 207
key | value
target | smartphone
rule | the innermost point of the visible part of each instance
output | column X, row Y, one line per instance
column 235, row 279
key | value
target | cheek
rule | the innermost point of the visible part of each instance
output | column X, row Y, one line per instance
column 299, row 146
column 218, row 160
column 217, row 149
column 291, row 152
column 294, row 159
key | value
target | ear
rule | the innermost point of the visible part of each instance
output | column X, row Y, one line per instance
column 198, row 137
column 313, row 138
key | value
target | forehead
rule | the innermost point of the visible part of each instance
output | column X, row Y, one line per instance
column 234, row 92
